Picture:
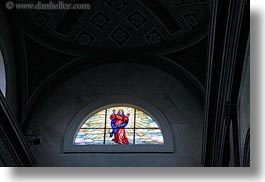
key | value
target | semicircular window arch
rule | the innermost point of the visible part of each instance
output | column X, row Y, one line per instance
column 119, row 125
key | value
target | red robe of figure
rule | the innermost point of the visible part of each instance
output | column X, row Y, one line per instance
column 120, row 135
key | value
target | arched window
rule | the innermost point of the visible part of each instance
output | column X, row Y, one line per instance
column 2, row 75
column 119, row 125
column 146, row 128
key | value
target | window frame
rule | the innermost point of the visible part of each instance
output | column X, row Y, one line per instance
column 127, row 101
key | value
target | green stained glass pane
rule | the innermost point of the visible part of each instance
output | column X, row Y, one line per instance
column 143, row 120
column 148, row 136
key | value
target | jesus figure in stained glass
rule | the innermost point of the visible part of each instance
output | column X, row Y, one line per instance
column 118, row 123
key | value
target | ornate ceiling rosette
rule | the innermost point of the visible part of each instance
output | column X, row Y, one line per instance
column 115, row 25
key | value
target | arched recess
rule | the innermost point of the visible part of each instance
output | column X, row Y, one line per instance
column 78, row 65
column 147, row 87
column 113, row 101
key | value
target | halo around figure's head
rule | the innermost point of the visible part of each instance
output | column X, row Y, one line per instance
column 120, row 112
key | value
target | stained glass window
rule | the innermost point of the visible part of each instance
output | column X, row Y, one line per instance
column 119, row 125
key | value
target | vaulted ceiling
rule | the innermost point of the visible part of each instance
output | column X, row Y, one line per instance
column 48, row 40
column 113, row 25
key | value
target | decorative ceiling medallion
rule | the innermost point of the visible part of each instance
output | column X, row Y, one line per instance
column 120, row 36
column 85, row 39
column 137, row 19
column 146, row 25
column 100, row 20
column 117, row 5
column 154, row 37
